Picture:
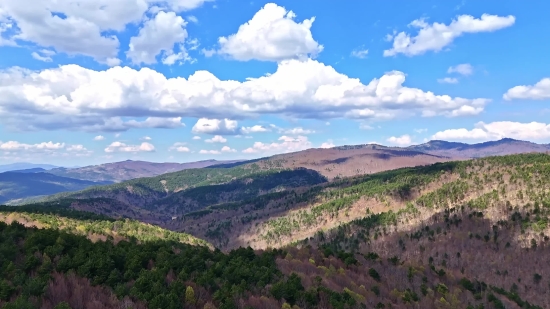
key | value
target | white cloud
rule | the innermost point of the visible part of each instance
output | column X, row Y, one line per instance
column 255, row 129
column 539, row 91
column 216, row 126
column 156, row 122
column 192, row 19
column 215, row 152
column 447, row 80
column 462, row 69
column 179, row 147
column 146, row 138
column 404, row 140
column 420, row 130
column 44, row 146
column 216, row 139
column 196, row 137
column 286, row 144
column 360, row 53
column 327, row 144
column 99, row 138
column 228, row 149
column 158, row 35
column 80, row 27
column 436, row 36
column 43, row 55
column 71, row 96
column 122, row 147
column 497, row 130
column 297, row 131
column 77, row 148
column 14, row 150
column 271, row 35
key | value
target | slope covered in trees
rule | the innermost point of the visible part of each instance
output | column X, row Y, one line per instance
column 43, row 268
column 468, row 234
column 93, row 226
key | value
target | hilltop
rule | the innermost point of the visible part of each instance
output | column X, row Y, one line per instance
column 505, row 146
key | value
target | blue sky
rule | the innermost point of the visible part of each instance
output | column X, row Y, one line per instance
column 87, row 82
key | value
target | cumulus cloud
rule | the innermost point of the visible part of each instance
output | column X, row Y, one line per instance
column 255, row 129
column 327, row 144
column 78, row 149
column 146, row 138
column 404, row 140
column 179, row 147
column 462, row 69
column 216, row 126
column 215, row 152
column 80, row 27
column 447, row 80
column 71, row 96
column 216, row 139
column 436, row 36
column 420, row 130
column 159, row 35
column 15, row 149
column 285, row 144
column 228, row 149
column 14, row 145
column 122, row 147
column 271, row 35
column 196, row 137
column 99, row 138
column 297, row 131
column 539, row 91
column 497, row 130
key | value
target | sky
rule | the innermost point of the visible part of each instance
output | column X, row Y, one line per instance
column 87, row 82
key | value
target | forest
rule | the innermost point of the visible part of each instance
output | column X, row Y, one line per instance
column 468, row 234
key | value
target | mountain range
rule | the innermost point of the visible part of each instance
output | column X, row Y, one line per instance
column 23, row 165
column 332, row 163
column 16, row 185
column 129, row 169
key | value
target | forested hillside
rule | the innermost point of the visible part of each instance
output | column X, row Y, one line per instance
column 466, row 234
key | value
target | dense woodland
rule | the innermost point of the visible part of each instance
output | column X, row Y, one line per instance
column 470, row 234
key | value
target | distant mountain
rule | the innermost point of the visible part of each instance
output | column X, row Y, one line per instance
column 17, row 185
column 126, row 170
column 23, row 166
column 501, row 147
column 30, row 170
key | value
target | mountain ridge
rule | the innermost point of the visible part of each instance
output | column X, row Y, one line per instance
column 129, row 169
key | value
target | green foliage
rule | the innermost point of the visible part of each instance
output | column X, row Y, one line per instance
column 129, row 229
column 374, row 274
